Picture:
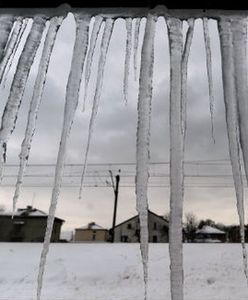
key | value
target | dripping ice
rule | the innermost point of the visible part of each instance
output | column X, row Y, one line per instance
column 93, row 40
column 143, row 138
column 25, row 62
column 71, row 103
column 209, row 72
column 35, row 102
column 109, row 24
column 127, row 57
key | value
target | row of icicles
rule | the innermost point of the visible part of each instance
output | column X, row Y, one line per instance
column 233, row 41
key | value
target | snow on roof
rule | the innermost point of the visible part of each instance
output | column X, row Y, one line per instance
column 91, row 225
column 28, row 211
column 210, row 230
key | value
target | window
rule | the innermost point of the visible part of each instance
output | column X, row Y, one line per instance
column 93, row 237
column 124, row 238
column 155, row 226
column 129, row 226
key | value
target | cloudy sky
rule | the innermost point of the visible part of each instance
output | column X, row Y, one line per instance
column 115, row 135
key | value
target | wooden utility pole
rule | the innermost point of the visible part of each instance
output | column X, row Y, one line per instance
column 115, row 186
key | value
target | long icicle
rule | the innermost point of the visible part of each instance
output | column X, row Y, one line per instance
column 71, row 103
column 135, row 46
column 185, row 58
column 176, row 158
column 209, row 73
column 11, row 46
column 35, row 102
column 18, row 85
column 8, row 67
column 227, row 56
column 143, row 139
column 127, row 57
column 239, row 32
column 93, row 39
column 108, row 29
column 6, row 22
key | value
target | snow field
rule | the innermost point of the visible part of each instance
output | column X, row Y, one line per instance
column 114, row 272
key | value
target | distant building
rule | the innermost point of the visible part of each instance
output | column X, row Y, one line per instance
column 92, row 232
column 209, row 234
column 28, row 225
column 129, row 230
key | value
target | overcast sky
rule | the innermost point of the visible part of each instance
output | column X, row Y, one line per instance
column 115, row 131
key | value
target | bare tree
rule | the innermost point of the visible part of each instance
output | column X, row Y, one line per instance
column 191, row 226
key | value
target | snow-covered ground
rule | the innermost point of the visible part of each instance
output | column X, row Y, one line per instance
column 105, row 272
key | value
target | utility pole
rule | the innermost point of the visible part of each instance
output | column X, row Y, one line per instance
column 115, row 186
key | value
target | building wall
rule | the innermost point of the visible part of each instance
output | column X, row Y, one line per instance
column 129, row 231
column 90, row 235
column 26, row 229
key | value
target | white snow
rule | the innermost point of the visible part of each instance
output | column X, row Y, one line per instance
column 91, row 226
column 209, row 230
column 114, row 272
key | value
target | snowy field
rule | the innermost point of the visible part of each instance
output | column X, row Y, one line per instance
column 106, row 272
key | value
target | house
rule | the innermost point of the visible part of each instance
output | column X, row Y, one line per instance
column 210, row 234
column 92, row 232
column 129, row 230
column 27, row 225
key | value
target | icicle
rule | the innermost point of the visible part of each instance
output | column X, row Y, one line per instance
column 23, row 28
column 227, row 55
column 6, row 22
column 239, row 32
column 127, row 57
column 93, row 39
column 18, row 85
column 185, row 58
column 101, row 64
column 143, row 138
column 176, row 158
column 71, row 103
column 209, row 73
column 35, row 102
column 135, row 45
column 11, row 46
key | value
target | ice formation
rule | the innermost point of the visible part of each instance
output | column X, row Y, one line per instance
column 209, row 72
column 176, row 158
column 35, row 102
column 109, row 25
column 127, row 57
column 12, row 56
column 11, row 109
column 233, row 41
column 10, row 47
column 135, row 45
column 71, row 103
column 143, row 138
column 93, row 40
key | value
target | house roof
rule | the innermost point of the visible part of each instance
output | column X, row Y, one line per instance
column 27, row 212
column 209, row 230
column 93, row 226
column 136, row 216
